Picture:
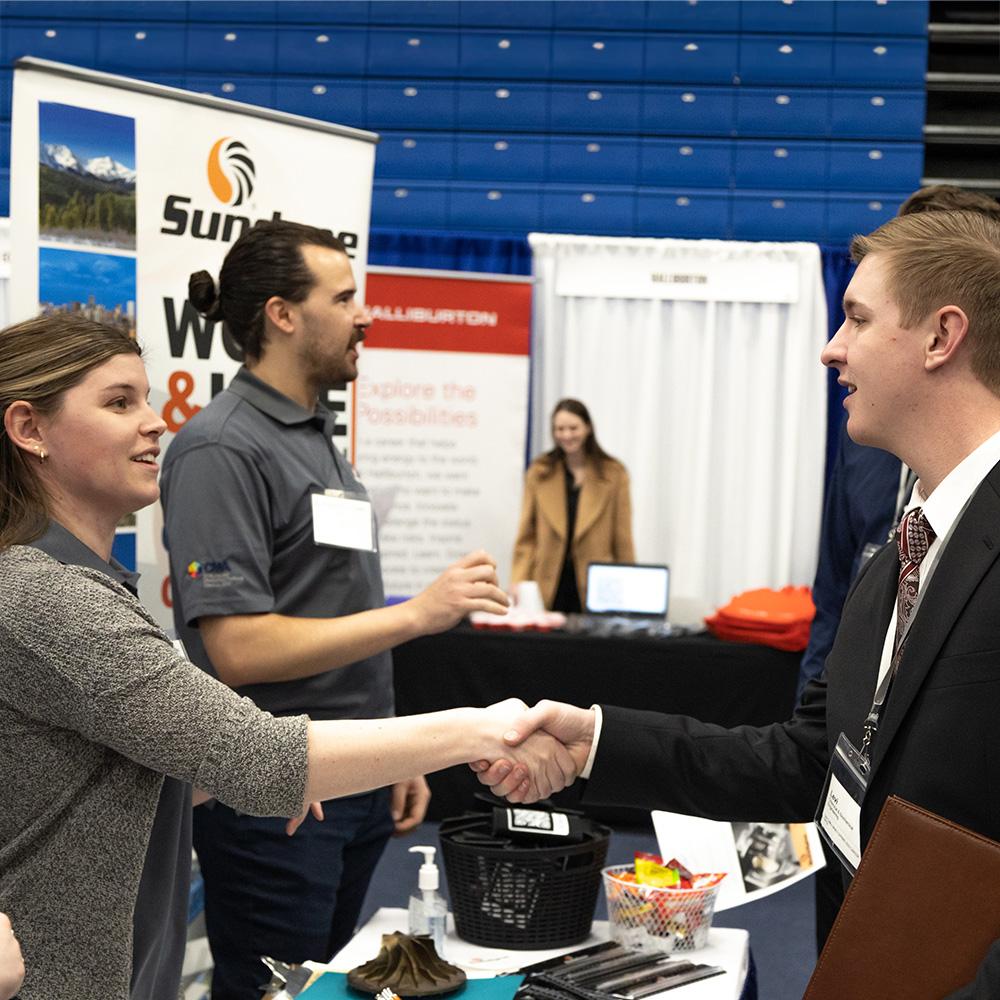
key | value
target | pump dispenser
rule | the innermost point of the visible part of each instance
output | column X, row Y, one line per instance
column 428, row 909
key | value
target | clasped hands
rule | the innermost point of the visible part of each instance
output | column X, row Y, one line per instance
column 542, row 750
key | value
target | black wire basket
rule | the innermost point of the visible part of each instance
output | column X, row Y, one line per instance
column 521, row 896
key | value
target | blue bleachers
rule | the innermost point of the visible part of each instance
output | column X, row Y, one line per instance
column 334, row 50
column 682, row 213
column 796, row 165
column 777, row 215
column 881, row 17
column 537, row 14
column 778, row 17
column 231, row 48
column 718, row 15
column 508, row 157
column 511, row 106
column 340, row 101
column 259, row 91
column 261, row 11
column 596, row 211
column 427, row 104
column 415, row 13
column 686, row 163
column 784, row 119
column 496, row 208
column 787, row 112
column 691, row 111
column 850, row 214
column 322, row 14
column 883, row 166
column 511, row 55
column 62, row 41
column 621, row 15
column 692, row 59
column 414, row 205
column 594, row 159
column 602, row 57
column 425, row 156
column 892, row 62
column 884, row 113
column 422, row 52
column 786, row 60
column 594, row 108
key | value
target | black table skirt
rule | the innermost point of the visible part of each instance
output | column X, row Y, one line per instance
column 727, row 683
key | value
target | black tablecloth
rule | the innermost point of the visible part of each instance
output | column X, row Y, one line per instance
column 727, row 683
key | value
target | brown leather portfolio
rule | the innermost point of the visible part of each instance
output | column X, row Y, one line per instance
column 920, row 914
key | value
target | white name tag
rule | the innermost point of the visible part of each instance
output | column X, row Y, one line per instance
column 343, row 522
column 841, row 822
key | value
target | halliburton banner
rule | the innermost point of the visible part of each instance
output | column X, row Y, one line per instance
column 120, row 189
column 441, row 418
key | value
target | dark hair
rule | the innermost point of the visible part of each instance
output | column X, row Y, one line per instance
column 591, row 448
column 40, row 360
column 265, row 261
column 949, row 198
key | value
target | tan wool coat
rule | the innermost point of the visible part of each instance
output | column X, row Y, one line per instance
column 603, row 530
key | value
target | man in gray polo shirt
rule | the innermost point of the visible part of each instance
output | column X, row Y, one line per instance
column 278, row 598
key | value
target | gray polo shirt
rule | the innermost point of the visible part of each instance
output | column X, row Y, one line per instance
column 160, row 919
column 236, row 490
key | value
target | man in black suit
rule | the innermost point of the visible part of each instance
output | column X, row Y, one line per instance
column 919, row 352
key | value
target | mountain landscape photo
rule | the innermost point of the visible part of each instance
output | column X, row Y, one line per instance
column 86, row 177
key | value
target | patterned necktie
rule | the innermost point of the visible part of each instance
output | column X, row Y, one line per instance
column 914, row 537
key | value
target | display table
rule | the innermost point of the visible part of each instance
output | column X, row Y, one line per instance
column 726, row 947
column 728, row 683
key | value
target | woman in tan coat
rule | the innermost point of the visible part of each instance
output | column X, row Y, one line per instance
column 576, row 510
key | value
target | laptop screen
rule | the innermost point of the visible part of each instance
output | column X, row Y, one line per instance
column 627, row 589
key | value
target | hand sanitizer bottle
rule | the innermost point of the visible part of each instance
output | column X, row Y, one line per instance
column 428, row 909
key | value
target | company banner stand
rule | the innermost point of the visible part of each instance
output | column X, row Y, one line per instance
column 441, row 418
column 121, row 189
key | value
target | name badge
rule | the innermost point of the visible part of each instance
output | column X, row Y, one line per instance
column 343, row 522
column 839, row 813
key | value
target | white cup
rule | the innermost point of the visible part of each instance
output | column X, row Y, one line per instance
column 529, row 598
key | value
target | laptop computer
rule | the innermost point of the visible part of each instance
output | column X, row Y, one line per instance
column 627, row 596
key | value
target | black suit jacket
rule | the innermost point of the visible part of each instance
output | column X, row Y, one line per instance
column 938, row 744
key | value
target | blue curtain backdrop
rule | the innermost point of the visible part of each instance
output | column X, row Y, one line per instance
column 512, row 255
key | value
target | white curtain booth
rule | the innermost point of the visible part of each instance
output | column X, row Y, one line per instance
column 699, row 361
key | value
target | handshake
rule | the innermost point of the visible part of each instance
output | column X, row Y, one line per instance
column 541, row 750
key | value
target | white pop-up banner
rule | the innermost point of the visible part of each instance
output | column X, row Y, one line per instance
column 441, row 418
column 120, row 189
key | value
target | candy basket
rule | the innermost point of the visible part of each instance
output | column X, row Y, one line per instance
column 650, row 918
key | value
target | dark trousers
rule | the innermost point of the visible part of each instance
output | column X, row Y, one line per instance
column 290, row 898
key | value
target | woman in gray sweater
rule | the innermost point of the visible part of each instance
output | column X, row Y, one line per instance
column 104, row 725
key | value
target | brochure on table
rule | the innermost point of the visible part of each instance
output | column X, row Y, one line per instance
column 760, row 858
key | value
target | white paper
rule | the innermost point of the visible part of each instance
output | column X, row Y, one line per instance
column 759, row 858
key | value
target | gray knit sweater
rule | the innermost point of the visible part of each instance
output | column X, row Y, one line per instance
column 95, row 707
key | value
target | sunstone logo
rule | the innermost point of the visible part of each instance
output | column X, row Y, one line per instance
column 232, row 178
column 231, row 171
